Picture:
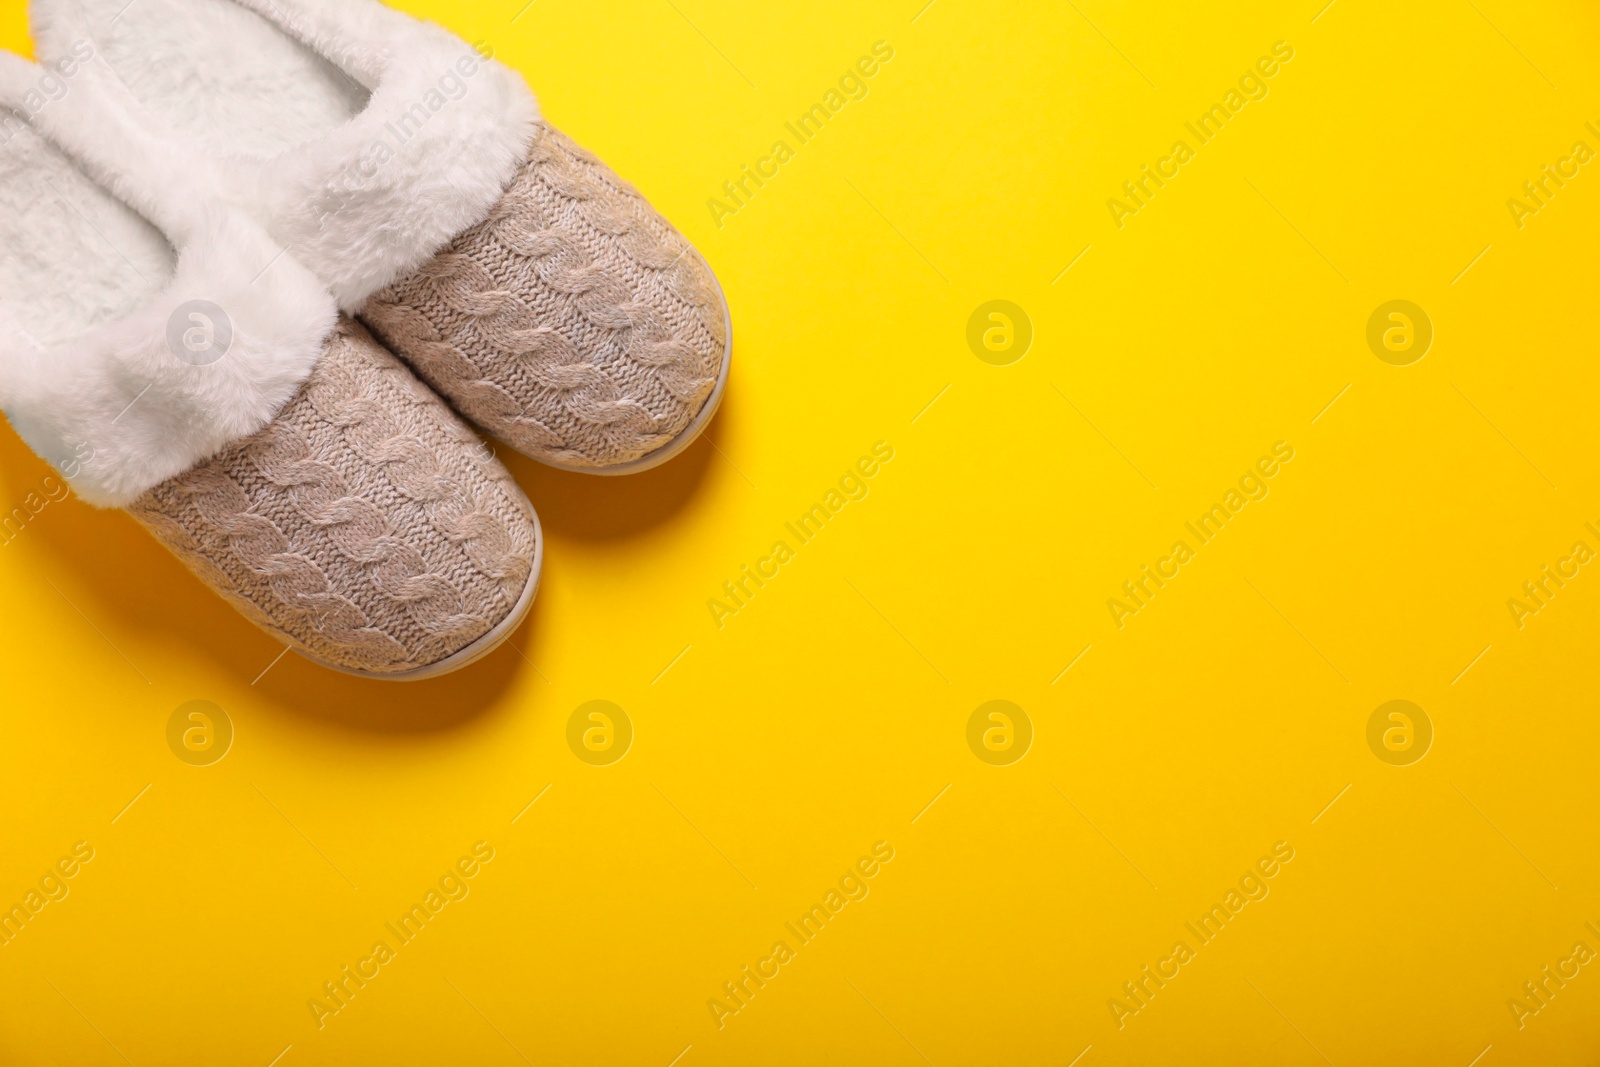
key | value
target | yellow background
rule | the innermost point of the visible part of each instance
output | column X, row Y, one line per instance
column 829, row 712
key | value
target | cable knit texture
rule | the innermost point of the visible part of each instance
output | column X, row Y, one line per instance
column 365, row 526
column 573, row 322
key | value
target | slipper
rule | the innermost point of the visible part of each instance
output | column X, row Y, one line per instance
column 529, row 285
column 167, row 356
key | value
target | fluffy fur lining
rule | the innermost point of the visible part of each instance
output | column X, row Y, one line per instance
column 74, row 257
column 362, row 138
column 94, row 381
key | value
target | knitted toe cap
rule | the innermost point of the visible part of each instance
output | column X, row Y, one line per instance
column 574, row 322
column 365, row 526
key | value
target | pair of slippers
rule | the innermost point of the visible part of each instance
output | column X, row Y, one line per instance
column 259, row 259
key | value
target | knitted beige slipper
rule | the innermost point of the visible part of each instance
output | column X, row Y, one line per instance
column 365, row 525
column 186, row 369
column 573, row 323
column 535, row 290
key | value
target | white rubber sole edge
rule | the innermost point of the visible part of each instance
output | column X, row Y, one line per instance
column 690, row 433
column 483, row 645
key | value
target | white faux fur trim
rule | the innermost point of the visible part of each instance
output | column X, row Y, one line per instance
column 120, row 406
column 360, row 202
